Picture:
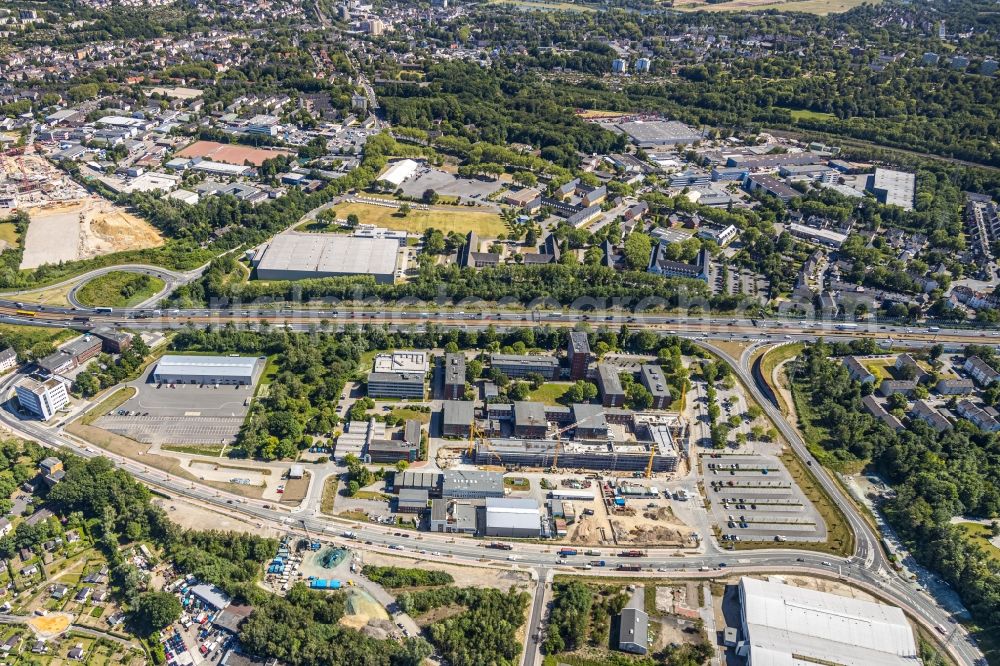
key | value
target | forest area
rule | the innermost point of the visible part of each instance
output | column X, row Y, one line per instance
column 935, row 476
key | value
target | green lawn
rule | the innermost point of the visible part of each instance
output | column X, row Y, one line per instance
column 119, row 289
column 550, row 393
column 8, row 232
column 980, row 534
column 806, row 114
column 405, row 413
column 880, row 367
column 25, row 337
column 461, row 220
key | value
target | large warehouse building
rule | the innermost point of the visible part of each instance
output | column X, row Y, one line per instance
column 205, row 370
column 299, row 257
column 784, row 625
column 512, row 518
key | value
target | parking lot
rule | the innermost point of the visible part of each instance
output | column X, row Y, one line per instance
column 753, row 498
column 180, row 413
column 447, row 185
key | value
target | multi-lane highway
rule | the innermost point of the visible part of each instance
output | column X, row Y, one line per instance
column 868, row 566
column 299, row 317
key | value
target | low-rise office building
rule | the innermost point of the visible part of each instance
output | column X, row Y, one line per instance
column 522, row 365
column 610, row 386
column 392, row 451
column 652, row 378
column 456, row 418
column 395, row 385
column 454, row 376
column 462, row 484
column 450, row 516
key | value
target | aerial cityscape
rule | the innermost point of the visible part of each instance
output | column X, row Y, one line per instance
column 500, row 332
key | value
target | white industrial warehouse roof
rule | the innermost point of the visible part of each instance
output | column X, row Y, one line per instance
column 205, row 365
column 330, row 254
column 399, row 171
column 787, row 626
column 503, row 513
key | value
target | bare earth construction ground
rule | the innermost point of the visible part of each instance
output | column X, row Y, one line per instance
column 81, row 229
column 67, row 223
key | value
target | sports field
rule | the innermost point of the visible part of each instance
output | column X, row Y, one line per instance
column 487, row 225
column 231, row 153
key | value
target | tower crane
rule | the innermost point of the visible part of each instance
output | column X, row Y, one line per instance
column 558, row 434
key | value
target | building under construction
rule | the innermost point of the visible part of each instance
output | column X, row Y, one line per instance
column 603, row 456
column 583, row 436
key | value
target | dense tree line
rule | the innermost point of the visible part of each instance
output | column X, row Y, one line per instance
column 393, row 577
column 518, row 283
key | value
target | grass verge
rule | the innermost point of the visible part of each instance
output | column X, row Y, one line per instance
column 195, row 449
column 120, row 289
column 112, row 402
column 329, row 495
column 770, row 360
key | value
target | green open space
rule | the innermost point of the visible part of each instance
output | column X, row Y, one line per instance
column 806, row 114
column 112, row 402
column 980, row 534
column 407, row 413
column 880, row 367
column 8, row 233
column 771, row 359
column 487, row 225
column 119, row 289
column 23, row 338
column 550, row 393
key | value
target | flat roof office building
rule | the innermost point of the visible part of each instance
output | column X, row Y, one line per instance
column 183, row 369
column 610, row 386
column 456, row 418
column 461, row 484
column 578, row 354
column 42, row 398
column 396, row 385
column 522, row 365
column 652, row 378
column 454, row 376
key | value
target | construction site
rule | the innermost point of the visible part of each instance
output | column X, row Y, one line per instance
column 67, row 223
column 530, row 434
